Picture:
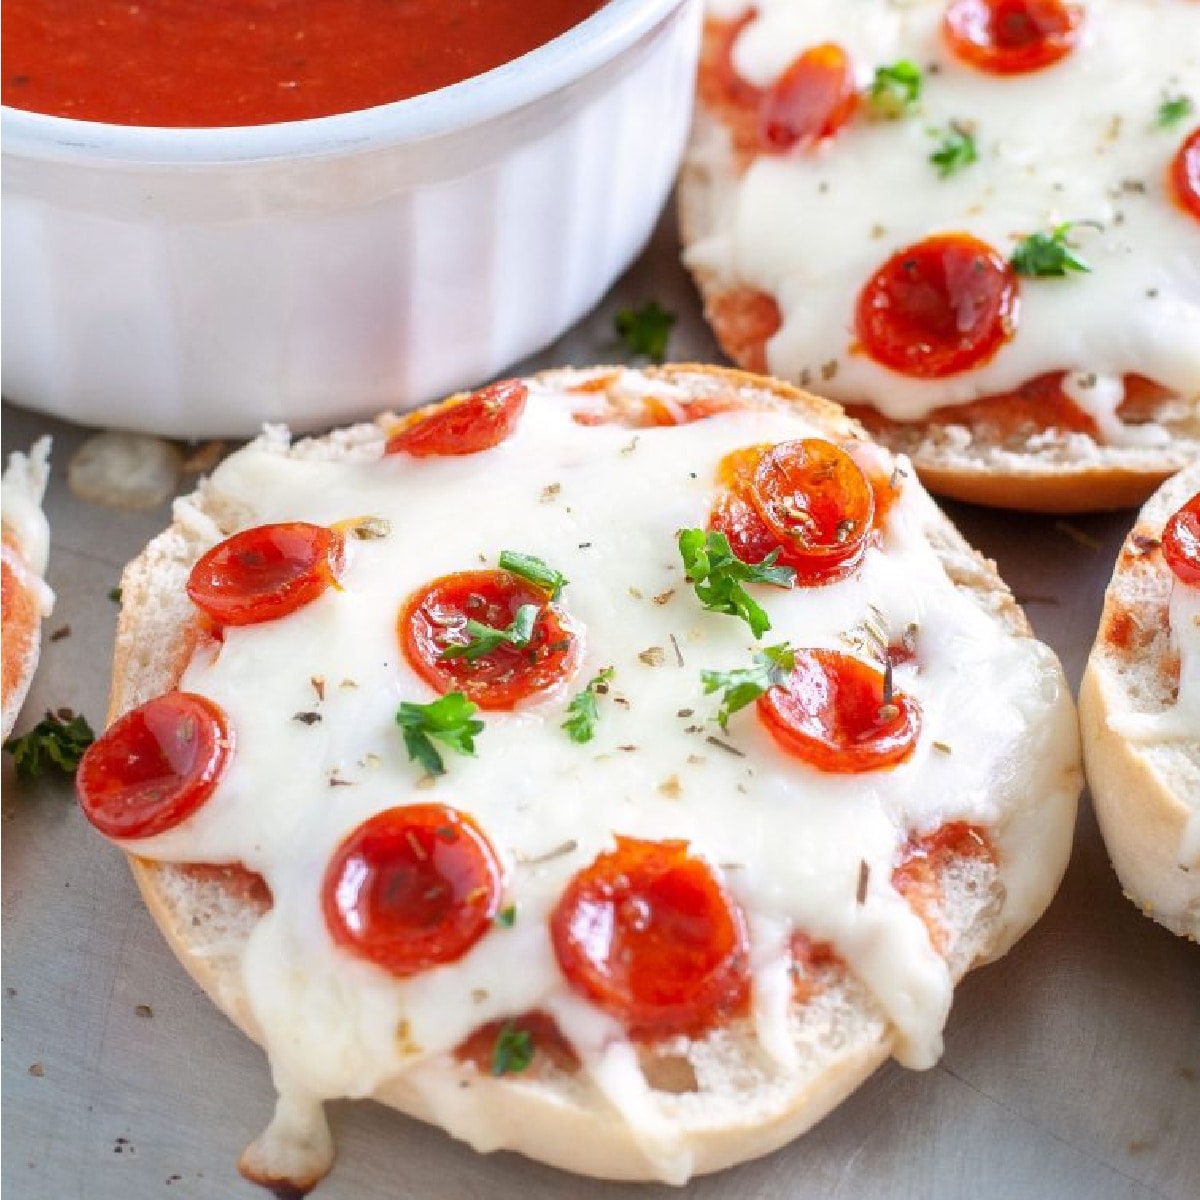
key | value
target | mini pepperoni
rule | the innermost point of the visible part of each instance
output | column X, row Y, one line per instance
column 649, row 934
column 412, row 888
column 462, row 424
column 266, row 572
column 1010, row 37
column 737, row 511
column 1181, row 543
column 1185, row 174
column 833, row 712
column 811, row 100
column 815, row 499
column 434, row 621
column 942, row 306
column 155, row 766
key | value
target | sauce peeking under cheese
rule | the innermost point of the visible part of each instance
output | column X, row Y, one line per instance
column 253, row 62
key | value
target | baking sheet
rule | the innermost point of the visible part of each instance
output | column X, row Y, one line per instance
column 1072, row 1067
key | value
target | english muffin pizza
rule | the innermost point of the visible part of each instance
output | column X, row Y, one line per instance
column 27, row 600
column 976, row 223
column 612, row 766
column 1139, row 707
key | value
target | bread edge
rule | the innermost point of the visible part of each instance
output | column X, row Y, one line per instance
column 1141, row 814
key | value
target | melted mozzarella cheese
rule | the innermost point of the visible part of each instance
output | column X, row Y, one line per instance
column 603, row 505
column 21, row 491
column 1075, row 142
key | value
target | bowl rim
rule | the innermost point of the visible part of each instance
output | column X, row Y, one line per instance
column 542, row 71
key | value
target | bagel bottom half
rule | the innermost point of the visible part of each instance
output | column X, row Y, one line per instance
column 718, row 1098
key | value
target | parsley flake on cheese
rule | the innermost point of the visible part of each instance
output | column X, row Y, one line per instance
column 741, row 687
column 450, row 720
column 582, row 712
column 896, row 90
column 1047, row 255
column 717, row 574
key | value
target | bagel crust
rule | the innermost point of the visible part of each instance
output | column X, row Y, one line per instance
column 712, row 1100
column 756, row 258
column 1145, row 788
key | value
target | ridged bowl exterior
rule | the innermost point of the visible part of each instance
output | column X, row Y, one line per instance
column 202, row 297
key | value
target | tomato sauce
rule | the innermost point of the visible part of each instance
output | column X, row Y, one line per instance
column 253, row 62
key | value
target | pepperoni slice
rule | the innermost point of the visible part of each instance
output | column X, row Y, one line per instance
column 833, row 713
column 266, row 572
column 155, row 766
column 462, row 424
column 649, row 935
column 1181, row 543
column 1011, row 37
column 815, row 499
column 412, row 888
column 1185, row 174
column 939, row 307
column 807, row 499
column 811, row 100
column 434, row 620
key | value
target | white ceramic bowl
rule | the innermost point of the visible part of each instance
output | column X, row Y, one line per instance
column 197, row 282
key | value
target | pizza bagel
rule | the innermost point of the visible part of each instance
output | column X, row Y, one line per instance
column 974, row 223
column 613, row 766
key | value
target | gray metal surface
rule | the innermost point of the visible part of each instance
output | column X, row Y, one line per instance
column 1072, row 1067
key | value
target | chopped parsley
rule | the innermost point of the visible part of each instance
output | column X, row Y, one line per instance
column 771, row 666
column 114, row 594
column 582, row 712
column 506, row 917
column 956, row 150
column 1174, row 109
column 513, row 1051
column 1047, row 255
column 483, row 639
column 534, row 569
column 57, row 741
column 717, row 574
column 896, row 89
column 645, row 330
column 450, row 720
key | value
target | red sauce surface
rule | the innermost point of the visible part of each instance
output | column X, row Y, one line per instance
column 252, row 62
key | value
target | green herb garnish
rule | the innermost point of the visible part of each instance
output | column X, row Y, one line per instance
column 896, row 90
column 771, row 666
column 956, row 150
column 506, row 917
column 717, row 574
column 1174, row 109
column 537, row 571
column 58, row 741
column 450, row 720
column 513, row 1051
column 1047, row 255
column 114, row 594
column 582, row 712
column 645, row 330
column 483, row 639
